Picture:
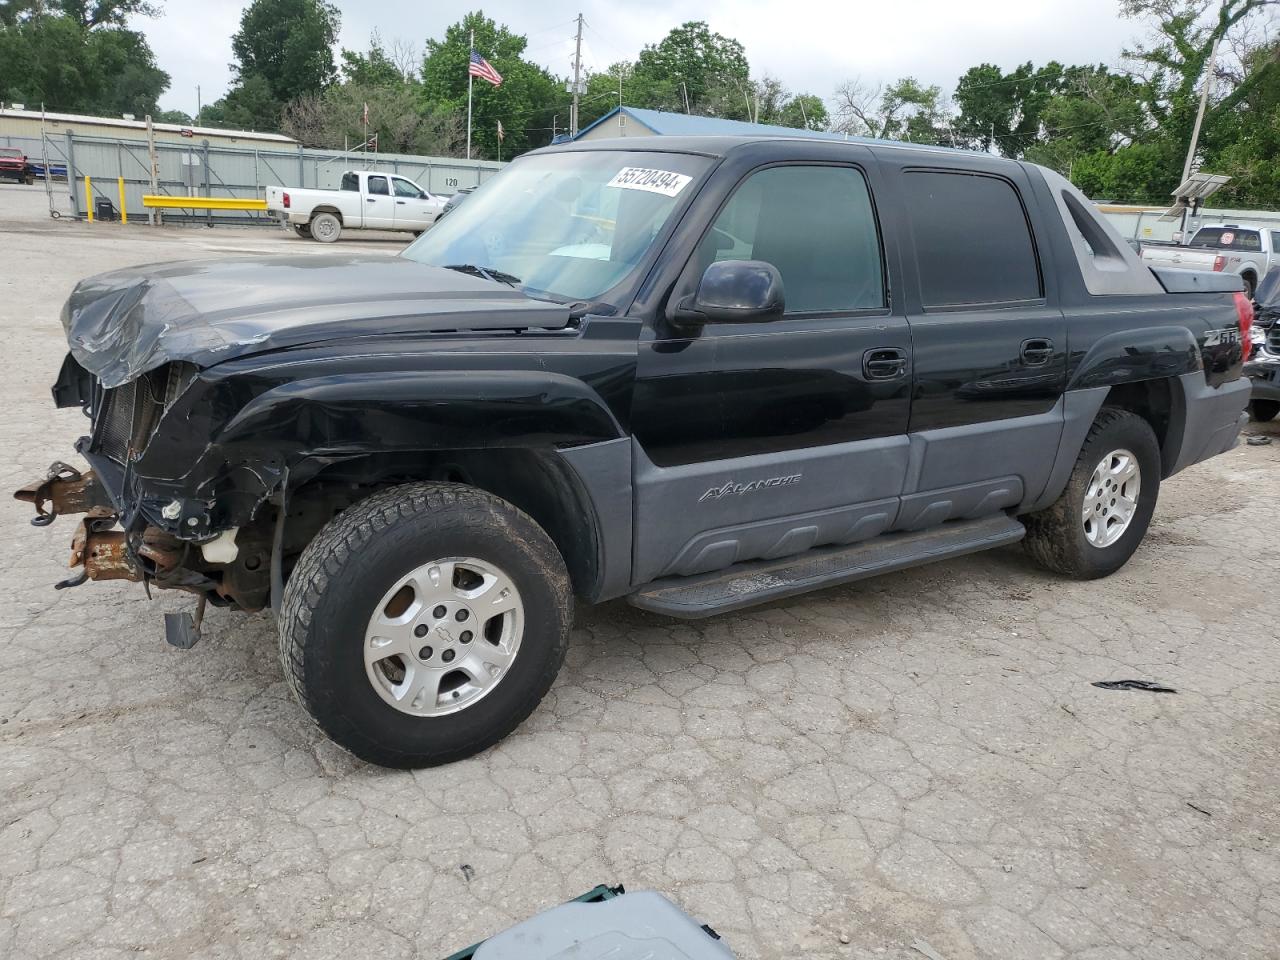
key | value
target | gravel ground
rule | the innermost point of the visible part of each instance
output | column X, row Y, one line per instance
column 916, row 763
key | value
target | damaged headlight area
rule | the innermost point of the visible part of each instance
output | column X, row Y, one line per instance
column 154, row 515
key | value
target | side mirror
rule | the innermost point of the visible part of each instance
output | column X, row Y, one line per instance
column 735, row 291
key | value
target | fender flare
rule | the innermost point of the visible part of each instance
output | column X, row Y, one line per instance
column 348, row 415
column 1130, row 356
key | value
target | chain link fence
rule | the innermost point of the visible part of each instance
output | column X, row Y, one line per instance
column 200, row 169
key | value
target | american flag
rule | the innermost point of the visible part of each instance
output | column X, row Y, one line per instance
column 480, row 67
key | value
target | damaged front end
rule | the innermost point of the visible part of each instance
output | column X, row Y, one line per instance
column 137, row 524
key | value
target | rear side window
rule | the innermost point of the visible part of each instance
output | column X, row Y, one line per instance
column 972, row 240
column 378, row 185
column 350, row 182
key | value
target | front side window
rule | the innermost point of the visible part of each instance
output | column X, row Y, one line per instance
column 406, row 189
column 972, row 240
column 816, row 225
column 378, row 186
column 570, row 225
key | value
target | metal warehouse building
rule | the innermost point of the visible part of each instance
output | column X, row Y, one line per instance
column 23, row 127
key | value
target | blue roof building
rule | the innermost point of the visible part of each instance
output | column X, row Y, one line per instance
column 635, row 122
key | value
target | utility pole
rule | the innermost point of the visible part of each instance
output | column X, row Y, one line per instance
column 1195, row 130
column 470, row 81
column 685, row 90
column 577, row 81
column 1204, row 101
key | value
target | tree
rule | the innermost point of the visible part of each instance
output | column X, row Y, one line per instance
column 688, row 70
column 805, row 111
column 248, row 105
column 130, row 81
column 97, row 13
column 288, row 44
column 378, row 67
column 57, row 61
column 1004, row 111
column 333, row 120
column 1245, row 143
column 1171, row 63
column 523, row 103
column 904, row 110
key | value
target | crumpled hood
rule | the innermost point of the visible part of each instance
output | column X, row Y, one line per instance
column 119, row 325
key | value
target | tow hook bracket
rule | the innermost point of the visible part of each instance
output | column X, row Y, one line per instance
column 181, row 630
column 65, row 490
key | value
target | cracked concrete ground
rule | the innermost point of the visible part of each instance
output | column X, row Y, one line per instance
column 915, row 759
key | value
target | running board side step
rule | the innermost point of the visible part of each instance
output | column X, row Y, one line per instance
column 747, row 584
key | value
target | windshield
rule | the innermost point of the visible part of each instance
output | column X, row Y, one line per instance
column 571, row 225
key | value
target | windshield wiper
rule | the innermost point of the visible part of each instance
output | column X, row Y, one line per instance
column 487, row 272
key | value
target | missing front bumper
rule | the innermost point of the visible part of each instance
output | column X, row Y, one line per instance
column 63, row 490
column 99, row 551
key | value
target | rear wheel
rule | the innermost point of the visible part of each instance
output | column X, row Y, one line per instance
column 425, row 623
column 1261, row 411
column 1094, row 527
column 303, row 230
column 325, row 227
column 1250, row 285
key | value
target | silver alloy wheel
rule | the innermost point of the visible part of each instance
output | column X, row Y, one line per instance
column 444, row 636
column 1112, row 498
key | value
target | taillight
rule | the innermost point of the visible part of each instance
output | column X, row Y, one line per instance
column 1244, row 313
column 1218, row 262
column 286, row 206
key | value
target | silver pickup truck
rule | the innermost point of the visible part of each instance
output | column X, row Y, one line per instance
column 1243, row 249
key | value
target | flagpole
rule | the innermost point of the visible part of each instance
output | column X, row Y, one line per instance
column 470, row 81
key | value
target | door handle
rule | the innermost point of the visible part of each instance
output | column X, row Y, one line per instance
column 371, row 200
column 1036, row 352
column 400, row 203
column 884, row 363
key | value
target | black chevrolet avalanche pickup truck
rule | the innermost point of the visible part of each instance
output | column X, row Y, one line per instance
column 699, row 374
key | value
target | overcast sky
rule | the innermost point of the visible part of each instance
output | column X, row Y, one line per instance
column 813, row 46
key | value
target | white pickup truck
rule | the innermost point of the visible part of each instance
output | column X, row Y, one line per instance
column 365, row 200
column 1246, row 250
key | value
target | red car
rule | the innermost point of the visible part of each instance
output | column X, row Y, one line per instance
column 14, row 166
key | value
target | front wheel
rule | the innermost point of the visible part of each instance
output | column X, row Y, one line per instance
column 425, row 623
column 1094, row 527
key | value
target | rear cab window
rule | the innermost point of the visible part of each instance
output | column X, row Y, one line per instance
column 1227, row 238
column 973, row 241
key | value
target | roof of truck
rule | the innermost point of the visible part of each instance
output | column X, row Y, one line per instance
column 719, row 145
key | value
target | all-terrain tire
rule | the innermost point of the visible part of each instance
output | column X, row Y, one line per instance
column 1056, row 537
column 1263, row 411
column 345, row 571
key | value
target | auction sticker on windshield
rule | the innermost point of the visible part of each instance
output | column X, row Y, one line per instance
column 664, row 182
